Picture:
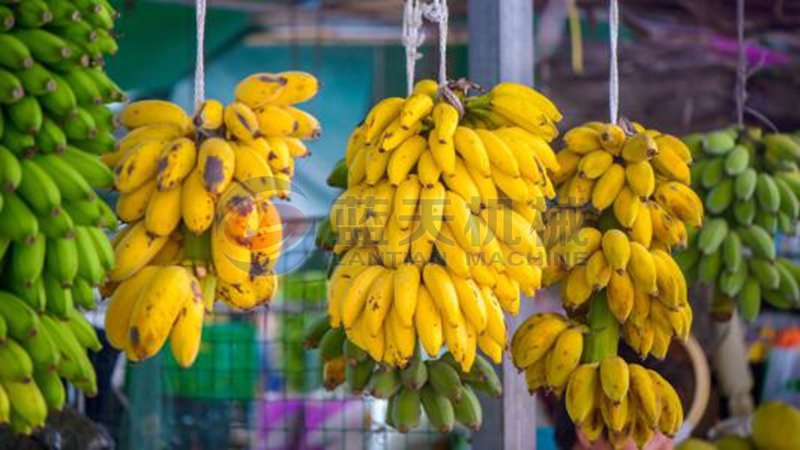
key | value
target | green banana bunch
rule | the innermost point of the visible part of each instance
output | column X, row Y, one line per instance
column 437, row 387
column 751, row 186
column 53, row 251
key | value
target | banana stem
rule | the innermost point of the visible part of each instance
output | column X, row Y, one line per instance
column 603, row 338
column 197, row 248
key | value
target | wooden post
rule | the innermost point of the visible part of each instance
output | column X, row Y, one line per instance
column 501, row 49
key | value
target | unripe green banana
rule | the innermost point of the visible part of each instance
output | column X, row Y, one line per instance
column 75, row 365
column 737, row 161
column 766, row 272
column 406, row 410
column 759, row 241
column 415, row 374
column 730, row 283
column 789, row 202
column 61, row 262
column 37, row 80
column 63, row 12
column 745, row 212
column 17, row 221
column 767, row 194
column 27, row 260
column 750, row 299
column 58, row 225
column 331, row 344
column 86, row 92
column 51, row 138
column 709, row 267
column 33, row 14
column 108, row 219
column 72, row 185
column 25, row 114
column 38, row 189
column 10, row 171
column 102, row 246
column 712, row 235
column 84, row 212
column 468, row 410
column 438, row 409
column 26, row 402
column 445, row 379
column 101, row 144
column 15, row 364
column 15, row 55
column 97, row 174
column 43, row 351
column 61, row 101
column 10, row 87
column 358, row 375
column 81, row 126
column 21, row 319
column 21, row 144
column 767, row 221
column 59, row 298
column 31, row 293
column 713, row 173
column 84, row 331
column 720, row 197
column 89, row 266
column 484, row 377
column 732, row 251
column 718, row 143
column 384, row 384
column 83, row 294
column 788, row 285
column 103, row 117
column 51, row 387
column 745, row 184
column 353, row 353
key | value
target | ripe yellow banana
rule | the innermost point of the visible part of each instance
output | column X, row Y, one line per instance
column 443, row 152
column 134, row 251
column 216, row 163
column 581, row 399
column 445, row 119
column 594, row 164
column 536, row 343
column 646, row 395
column 642, row 269
column 614, row 378
column 429, row 172
column 158, row 307
column 379, row 301
column 639, row 147
column 598, row 271
column 428, row 323
column 210, row 115
column 131, row 206
column 197, row 204
column 380, row 116
column 582, row 140
column 150, row 112
column 176, row 161
column 241, row 122
column 308, row 127
column 495, row 319
column 577, row 290
column 405, row 158
column 258, row 89
column 612, row 138
column 356, row 297
column 230, row 256
column 121, row 305
column 563, row 358
column 415, row 108
column 608, row 187
column 187, row 332
column 440, row 285
column 471, row 302
column 627, row 207
column 163, row 212
column 498, row 153
column 641, row 178
column 138, row 166
column 620, row 295
column 617, row 249
column 275, row 121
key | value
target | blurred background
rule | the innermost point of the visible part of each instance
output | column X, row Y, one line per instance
column 254, row 386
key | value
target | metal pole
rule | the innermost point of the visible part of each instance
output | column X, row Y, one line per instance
column 501, row 49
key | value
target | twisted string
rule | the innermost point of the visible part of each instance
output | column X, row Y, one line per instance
column 412, row 39
column 613, row 82
column 437, row 11
column 741, row 66
column 199, row 68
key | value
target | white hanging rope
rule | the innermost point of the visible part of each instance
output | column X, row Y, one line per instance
column 199, row 69
column 437, row 12
column 613, row 81
column 413, row 37
column 741, row 67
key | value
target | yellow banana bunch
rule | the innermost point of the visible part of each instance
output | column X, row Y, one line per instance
column 449, row 205
column 196, row 194
column 624, row 401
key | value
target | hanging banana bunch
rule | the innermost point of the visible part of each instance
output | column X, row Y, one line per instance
column 624, row 205
column 750, row 183
column 196, row 196
column 436, row 232
column 53, row 249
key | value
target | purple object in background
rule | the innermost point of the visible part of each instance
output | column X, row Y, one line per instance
column 755, row 54
column 279, row 422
